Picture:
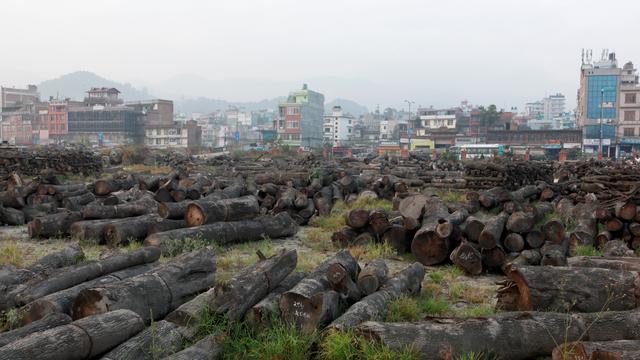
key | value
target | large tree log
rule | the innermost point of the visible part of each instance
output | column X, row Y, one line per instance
column 569, row 288
column 143, row 206
column 76, row 203
column 206, row 211
column 89, row 229
column 86, row 272
column 406, row 282
column 48, row 322
column 123, row 231
column 225, row 233
column 357, row 218
column 507, row 336
column 427, row 245
column 11, row 216
column 190, row 313
column 12, row 198
column 82, row 339
column 373, row 275
column 396, row 237
column 161, row 225
column 268, row 309
column 520, row 222
column 598, row 350
column 61, row 301
column 472, row 228
column 467, row 257
column 106, row 187
column 151, row 295
column 343, row 283
column 209, row 348
column 413, row 206
column 514, row 242
column 236, row 296
column 309, row 305
column 160, row 339
column 554, row 254
column 613, row 263
column 57, row 224
column 492, row 232
column 535, row 239
column 171, row 210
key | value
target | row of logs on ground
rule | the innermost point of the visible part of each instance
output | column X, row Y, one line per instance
column 31, row 161
column 131, row 306
column 529, row 226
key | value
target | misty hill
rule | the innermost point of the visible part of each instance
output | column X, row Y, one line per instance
column 75, row 85
column 205, row 105
column 348, row 106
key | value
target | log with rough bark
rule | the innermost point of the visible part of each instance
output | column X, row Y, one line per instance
column 143, row 206
column 82, row 339
column 344, row 237
column 160, row 225
column 11, row 216
column 374, row 274
column 268, row 309
column 76, row 203
column 357, row 218
column 190, row 313
column 535, row 239
column 520, row 222
column 569, row 288
column 528, row 257
column 89, row 229
column 428, row 246
column 343, row 283
column 121, row 232
column 472, row 228
column 372, row 307
column 12, row 198
column 413, row 206
column 615, row 248
column 494, row 257
column 61, row 301
column 598, row 350
column 236, row 296
column 48, row 322
column 396, row 237
column 554, row 254
column 614, row 263
column 506, row 336
column 492, row 232
column 206, row 211
column 225, row 233
column 209, row 348
column 586, row 226
column 161, row 339
column 106, row 187
column 151, row 295
column 378, row 222
column 553, row 231
column 311, row 304
column 513, row 242
column 81, row 273
column 468, row 257
column 57, row 224
column 172, row 210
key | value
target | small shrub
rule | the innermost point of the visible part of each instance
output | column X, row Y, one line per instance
column 434, row 306
column 587, row 250
column 9, row 320
column 403, row 309
column 436, row 276
column 11, row 254
column 176, row 247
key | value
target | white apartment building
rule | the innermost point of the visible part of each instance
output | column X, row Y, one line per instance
column 553, row 106
column 437, row 119
column 338, row 127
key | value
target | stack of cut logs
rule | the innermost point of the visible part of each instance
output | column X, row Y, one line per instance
column 33, row 161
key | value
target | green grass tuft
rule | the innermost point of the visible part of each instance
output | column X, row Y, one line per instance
column 588, row 250
column 433, row 306
column 436, row 276
column 478, row 310
column 347, row 345
column 11, row 254
column 403, row 309
column 449, row 196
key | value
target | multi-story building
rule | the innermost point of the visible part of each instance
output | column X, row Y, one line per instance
column 628, row 129
column 174, row 134
column 338, row 127
column 155, row 111
column 534, row 110
column 17, row 127
column 17, row 98
column 103, row 96
column 553, row 106
column 437, row 118
column 300, row 119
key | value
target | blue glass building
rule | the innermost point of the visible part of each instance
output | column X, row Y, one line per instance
column 595, row 84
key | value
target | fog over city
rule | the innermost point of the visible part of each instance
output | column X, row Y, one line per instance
column 372, row 52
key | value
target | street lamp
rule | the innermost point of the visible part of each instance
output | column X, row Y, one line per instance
column 409, row 129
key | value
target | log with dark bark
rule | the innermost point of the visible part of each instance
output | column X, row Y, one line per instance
column 614, row 263
column 206, row 211
column 520, row 222
column 373, row 275
column 553, row 231
column 535, row 239
column 494, row 257
column 472, row 228
column 569, row 288
column 554, row 254
column 236, row 296
column 86, row 272
column 598, row 350
column 268, row 309
column 48, row 322
column 226, row 233
column 528, row 257
column 357, row 218
column 121, row 232
column 586, row 226
column 57, row 224
column 156, row 341
column 82, row 339
column 151, row 295
column 506, row 336
column 492, row 232
column 626, row 210
column 61, row 301
column 344, row 237
column 413, row 206
column 343, row 283
column 106, row 187
column 11, row 216
column 12, row 198
column 172, row 210
column 406, row 282
column 192, row 311
column 467, row 256
column 513, row 242
column 311, row 304
column 143, row 206
column 209, row 348
column 89, row 229
column 160, row 225
column 378, row 221
column 427, row 245
column 396, row 237
column 76, row 203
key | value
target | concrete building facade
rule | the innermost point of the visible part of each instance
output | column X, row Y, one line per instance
column 300, row 119
column 338, row 127
column 16, row 98
column 173, row 134
column 553, row 106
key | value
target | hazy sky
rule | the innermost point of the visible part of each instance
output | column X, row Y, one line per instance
column 506, row 52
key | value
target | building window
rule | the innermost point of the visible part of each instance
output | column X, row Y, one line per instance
column 293, row 110
column 630, row 98
column 293, row 124
column 327, row 130
column 629, row 115
column 629, row 131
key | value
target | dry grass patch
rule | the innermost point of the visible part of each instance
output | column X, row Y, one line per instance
column 373, row 251
column 11, row 254
column 316, row 239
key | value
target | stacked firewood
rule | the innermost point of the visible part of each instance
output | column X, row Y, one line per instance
column 33, row 161
column 509, row 174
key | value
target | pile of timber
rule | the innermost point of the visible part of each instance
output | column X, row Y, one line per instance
column 34, row 160
column 509, row 174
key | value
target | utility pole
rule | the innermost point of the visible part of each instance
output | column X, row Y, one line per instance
column 601, row 117
column 409, row 128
